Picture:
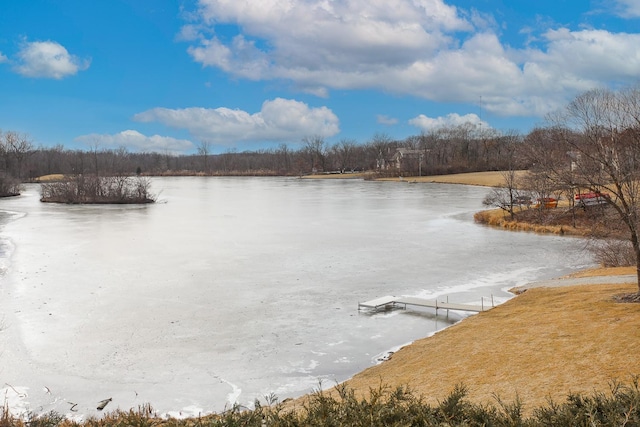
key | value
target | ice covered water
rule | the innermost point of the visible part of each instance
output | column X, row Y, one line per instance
column 229, row 289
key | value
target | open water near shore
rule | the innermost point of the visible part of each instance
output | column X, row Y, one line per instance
column 230, row 289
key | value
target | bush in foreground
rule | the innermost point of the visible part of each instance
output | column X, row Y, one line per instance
column 386, row 407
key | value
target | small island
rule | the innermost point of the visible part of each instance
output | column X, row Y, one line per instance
column 94, row 189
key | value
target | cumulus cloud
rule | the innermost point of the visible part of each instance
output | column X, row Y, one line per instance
column 137, row 142
column 3, row 58
column 423, row 48
column 319, row 36
column 426, row 124
column 48, row 59
column 278, row 120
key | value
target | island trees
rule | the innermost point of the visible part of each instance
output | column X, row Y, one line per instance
column 92, row 189
column 599, row 137
column 109, row 180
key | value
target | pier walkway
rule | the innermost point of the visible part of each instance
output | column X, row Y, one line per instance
column 391, row 302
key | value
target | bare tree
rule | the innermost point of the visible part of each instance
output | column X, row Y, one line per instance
column 602, row 128
column 344, row 150
column 506, row 198
column 509, row 196
column 17, row 147
column 315, row 148
column 284, row 158
column 204, row 149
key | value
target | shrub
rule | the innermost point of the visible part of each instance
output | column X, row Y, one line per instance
column 613, row 252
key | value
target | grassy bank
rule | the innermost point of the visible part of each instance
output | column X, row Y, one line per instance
column 543, row 344
column 500, row 218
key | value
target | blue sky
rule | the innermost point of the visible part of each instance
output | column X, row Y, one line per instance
column 166, row 75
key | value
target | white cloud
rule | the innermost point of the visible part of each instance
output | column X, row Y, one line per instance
column 3, row 58
column 328, row 36
column 386, row 120
column 589, row 56
column 188, row 33
column 137, row 142
column 426, row 124
column 423, row 48
column 279, row 119
column 628, row 8
column 48, row 60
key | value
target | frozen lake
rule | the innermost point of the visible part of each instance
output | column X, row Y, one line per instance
column 230, row 289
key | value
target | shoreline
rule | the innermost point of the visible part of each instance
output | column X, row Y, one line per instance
column 540, row 344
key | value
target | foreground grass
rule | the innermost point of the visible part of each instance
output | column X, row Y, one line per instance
column 390, row 407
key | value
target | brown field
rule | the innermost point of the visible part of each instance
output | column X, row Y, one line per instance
column 48, row 178
column 487, row 179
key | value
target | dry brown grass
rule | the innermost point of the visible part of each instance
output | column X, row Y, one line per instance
column 543, row 344
column 500, row 218
column 486, row 179
column 605, row 271
column 50, row 178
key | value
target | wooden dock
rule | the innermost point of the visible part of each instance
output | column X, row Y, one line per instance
column 391, row 302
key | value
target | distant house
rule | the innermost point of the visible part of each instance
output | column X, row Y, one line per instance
column 403, row 154
column 384, row 161
column 397, row 159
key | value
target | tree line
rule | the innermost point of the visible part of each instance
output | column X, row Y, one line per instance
column 454, row 149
